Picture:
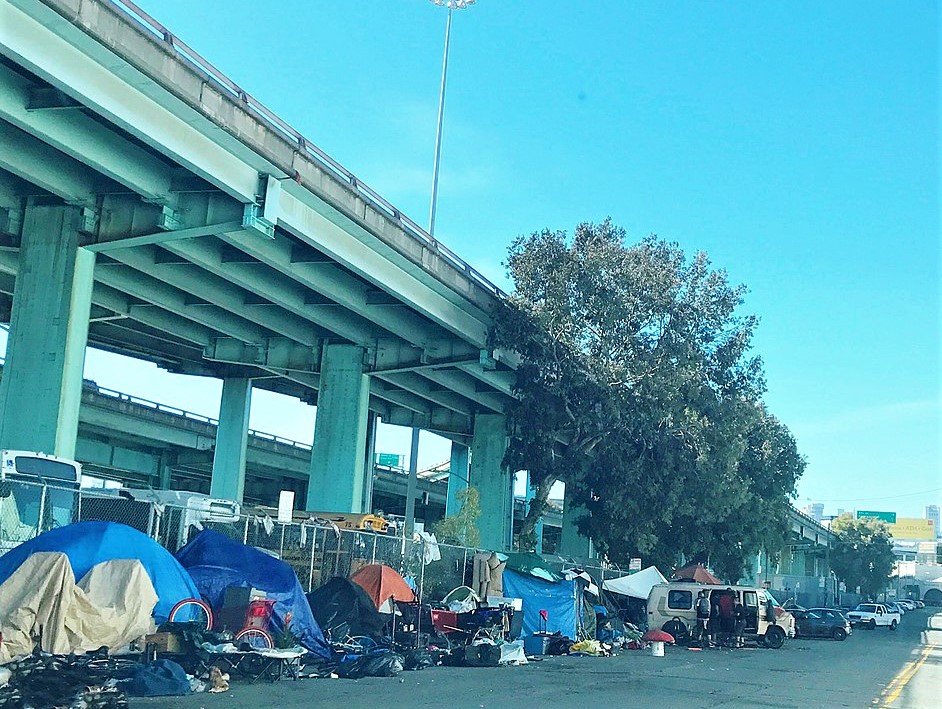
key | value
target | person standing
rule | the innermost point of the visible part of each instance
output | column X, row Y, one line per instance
column 703, row 618
column 740, row 617
column 715, row 619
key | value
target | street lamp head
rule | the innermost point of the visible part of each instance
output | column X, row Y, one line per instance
column 454, row 4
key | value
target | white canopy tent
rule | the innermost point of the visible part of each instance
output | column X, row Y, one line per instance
column 637, row 585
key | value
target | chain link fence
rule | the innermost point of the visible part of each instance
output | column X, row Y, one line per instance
column 316, row 552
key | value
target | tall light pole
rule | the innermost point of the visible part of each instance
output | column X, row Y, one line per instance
column 452, row 5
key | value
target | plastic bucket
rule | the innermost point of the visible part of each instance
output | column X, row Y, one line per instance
column 657, row 649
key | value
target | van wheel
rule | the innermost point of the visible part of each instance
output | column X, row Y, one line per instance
column 774, row 637
column 840, row 634
column 872, row 624
column 893, row 624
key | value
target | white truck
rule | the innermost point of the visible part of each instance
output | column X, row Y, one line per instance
column 870, row 615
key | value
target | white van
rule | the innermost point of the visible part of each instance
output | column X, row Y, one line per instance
column 765, row 621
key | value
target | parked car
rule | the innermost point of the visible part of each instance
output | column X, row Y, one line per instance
column 908, row 604
column 831, row 612
column 870, row 615
column 896, row 606
column 919, row 604
column 821, row 624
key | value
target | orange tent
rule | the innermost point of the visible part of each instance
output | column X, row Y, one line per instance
column 695, row 572
column 382, row 583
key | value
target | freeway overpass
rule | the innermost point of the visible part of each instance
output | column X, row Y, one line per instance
column 150, row 206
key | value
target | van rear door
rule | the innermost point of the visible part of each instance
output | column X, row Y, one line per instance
column 751, row 609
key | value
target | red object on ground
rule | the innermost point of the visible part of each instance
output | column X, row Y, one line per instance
column 657, row 636
column 695, row 572
column 382, row 583
column 259, row 614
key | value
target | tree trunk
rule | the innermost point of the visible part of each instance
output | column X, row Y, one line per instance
column 527, row 539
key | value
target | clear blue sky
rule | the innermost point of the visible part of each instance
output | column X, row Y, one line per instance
column 797, row 143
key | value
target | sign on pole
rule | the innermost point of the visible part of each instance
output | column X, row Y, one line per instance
column 634, row 564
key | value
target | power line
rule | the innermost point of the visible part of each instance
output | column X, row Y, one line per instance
column 868, row 499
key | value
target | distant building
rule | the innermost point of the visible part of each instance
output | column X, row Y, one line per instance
column 932, row 512
column 816, row 511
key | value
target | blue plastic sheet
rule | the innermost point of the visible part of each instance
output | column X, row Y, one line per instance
column 90, row 543
column 216, row 562
column 561, row 601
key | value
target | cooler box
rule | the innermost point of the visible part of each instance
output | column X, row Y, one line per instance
column 536, row 644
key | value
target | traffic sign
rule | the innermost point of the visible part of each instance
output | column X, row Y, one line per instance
column 888, row 517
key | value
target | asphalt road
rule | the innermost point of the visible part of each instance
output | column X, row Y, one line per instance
column 871, row 668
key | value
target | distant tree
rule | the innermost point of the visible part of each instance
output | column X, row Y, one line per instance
column 461, row 528
column 862, row 554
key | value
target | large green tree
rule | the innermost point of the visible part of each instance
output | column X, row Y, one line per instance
column 862, row 554
column 637, row 389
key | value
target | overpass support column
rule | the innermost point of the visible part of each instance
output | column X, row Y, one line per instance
column 492, row 480
column 571, row 543
column 337, row 460
column 232, row 437
column 457, row 477
column 41, row 387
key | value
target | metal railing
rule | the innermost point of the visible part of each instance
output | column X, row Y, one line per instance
column 369, row 195
column 175, row 411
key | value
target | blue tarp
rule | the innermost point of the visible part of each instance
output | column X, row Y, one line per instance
column 216, row 562
column 561, row 601
column 90, row 543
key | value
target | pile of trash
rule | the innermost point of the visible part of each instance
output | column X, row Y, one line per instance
column 74, row 681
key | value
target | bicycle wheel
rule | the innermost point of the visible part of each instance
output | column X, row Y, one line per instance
column 256, row 638
column 192, row 610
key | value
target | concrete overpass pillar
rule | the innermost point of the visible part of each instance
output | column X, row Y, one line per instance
column 457, row 477
column 571, row 543
column 337, row 460
column 42, row 380
column 232, row 437
column 493, row 481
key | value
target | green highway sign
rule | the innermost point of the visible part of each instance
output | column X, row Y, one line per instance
column 390, row 459
column 888, row 517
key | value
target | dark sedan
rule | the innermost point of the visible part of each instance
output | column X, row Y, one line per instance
column 821, row 623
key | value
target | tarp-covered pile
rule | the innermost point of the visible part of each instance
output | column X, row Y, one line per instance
column 110, row 606
column 216, row 562
column 84, row 586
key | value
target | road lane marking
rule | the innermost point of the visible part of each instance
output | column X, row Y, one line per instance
column 894, row 688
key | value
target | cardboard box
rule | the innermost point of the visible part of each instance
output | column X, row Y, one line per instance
column 166, row 642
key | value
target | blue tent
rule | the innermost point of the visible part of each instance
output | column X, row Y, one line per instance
column 216, row 562
column 90, row 543
column 561, row 600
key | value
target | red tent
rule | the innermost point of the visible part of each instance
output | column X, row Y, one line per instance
column 695, row 572
column 382, row 583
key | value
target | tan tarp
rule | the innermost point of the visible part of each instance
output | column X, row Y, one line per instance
column 111, row 606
